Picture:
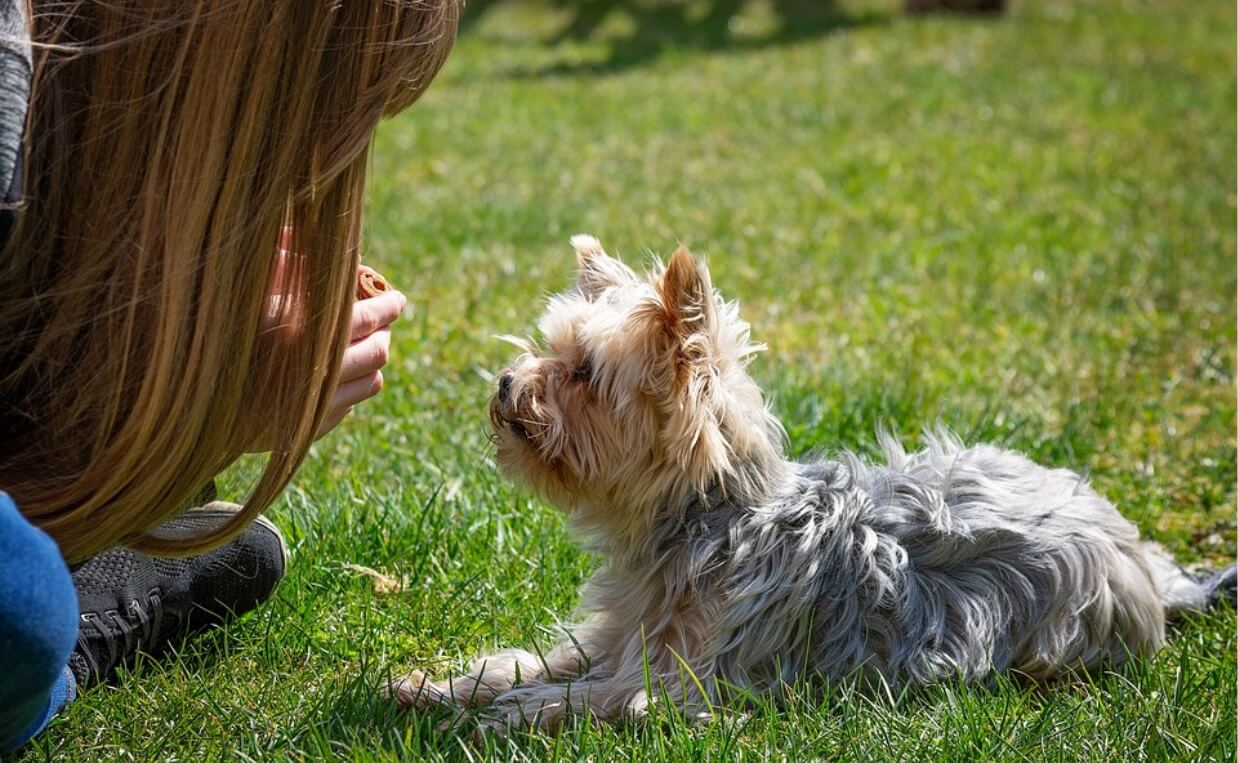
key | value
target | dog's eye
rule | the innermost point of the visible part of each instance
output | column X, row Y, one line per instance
column 583, row 370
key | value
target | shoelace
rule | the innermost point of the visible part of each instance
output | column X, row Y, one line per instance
column 113, row 628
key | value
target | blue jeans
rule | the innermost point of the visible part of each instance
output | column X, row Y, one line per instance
column 38, row 628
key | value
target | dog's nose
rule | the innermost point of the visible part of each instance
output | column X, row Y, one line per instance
column 505, row 387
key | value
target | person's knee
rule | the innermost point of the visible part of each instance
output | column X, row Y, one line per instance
column 38, row 606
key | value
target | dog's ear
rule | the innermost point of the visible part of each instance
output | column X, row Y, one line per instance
column 693, row 430
column 688, row 296
column 598, row 270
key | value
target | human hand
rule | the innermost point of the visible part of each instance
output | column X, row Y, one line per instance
column 361, row 375
column 369, row 341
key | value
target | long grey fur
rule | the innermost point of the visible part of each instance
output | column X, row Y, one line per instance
column 951, row 562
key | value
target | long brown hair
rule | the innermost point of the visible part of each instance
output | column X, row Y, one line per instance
column 169, row 143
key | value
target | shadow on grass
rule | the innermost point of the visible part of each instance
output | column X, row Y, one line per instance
column 357, row 716
column 657, row 27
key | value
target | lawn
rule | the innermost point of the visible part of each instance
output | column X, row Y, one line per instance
column 1022, row 226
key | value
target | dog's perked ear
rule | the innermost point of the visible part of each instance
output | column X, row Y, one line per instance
column 693, row 425
column 598, row 270
column 688, row 296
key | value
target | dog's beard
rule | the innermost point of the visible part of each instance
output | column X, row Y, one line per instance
column 502, row 422
column 518, row 449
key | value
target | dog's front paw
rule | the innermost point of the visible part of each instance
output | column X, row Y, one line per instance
column 416, row 690
column 501, row 719
column 542, row 709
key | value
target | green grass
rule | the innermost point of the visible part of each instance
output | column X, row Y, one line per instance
column 1021, row 226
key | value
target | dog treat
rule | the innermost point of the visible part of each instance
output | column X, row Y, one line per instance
column 370, row 285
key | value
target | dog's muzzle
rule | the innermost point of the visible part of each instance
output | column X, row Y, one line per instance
column 503, row 410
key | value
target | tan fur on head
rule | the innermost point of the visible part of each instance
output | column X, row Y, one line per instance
column 640, row 398
column 597, row 270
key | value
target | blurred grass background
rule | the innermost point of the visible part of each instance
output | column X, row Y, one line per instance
column 1020, row 225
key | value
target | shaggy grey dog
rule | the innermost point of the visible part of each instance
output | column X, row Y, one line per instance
column 728, row 567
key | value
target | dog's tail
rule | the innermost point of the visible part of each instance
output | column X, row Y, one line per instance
column 1183, row 592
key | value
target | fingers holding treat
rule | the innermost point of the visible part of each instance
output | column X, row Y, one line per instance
column 378, row 305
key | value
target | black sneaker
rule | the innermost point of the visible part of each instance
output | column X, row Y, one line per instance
column 132, row 603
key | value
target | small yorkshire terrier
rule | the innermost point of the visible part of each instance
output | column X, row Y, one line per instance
column 730, row 569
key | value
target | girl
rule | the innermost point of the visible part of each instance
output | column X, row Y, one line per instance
column 176, row 289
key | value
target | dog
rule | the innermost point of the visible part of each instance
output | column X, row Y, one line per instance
column 730, row 569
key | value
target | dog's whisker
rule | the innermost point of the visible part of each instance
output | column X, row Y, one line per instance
column 524, row 344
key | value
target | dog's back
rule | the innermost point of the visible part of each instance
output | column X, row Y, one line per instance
column 951, row 562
